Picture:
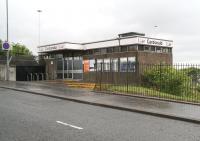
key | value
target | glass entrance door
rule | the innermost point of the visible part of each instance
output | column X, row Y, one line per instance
column 68, row 68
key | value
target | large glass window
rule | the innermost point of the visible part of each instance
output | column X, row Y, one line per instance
column 146, row 48
column 106, row 64
column 132, row 48
column 131, row 64
column 123, row 64
column 116, row 49
column 103, row 51
column 92, row 63
column 153, row 48
column 60, row 64
column 109, row 50
column 114, row 65
column 141, row 48
column 99, row 62
column 97, row 51
column 77, row 63
column 59, row 56
column 69, row 63
column 158, row 49
column 123, row 49
column 90, row 52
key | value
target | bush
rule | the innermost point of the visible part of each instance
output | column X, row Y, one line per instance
column 167, row 79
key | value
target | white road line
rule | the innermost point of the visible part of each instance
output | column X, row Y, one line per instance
column 66, row 124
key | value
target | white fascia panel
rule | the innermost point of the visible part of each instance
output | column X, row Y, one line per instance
column 62, row 46
column 128, row 41
column 102, row 44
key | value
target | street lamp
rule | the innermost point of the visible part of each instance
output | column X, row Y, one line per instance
column 155, row 30
column 7, row 39
column 39, row 12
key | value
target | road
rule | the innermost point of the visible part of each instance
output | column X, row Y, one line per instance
column 28, row 117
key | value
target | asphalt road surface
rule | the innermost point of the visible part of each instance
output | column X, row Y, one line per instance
column 28, row 117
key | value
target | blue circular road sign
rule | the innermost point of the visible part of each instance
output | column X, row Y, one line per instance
column 6, row 46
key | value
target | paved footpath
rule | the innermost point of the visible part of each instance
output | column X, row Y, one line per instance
column 185, row 112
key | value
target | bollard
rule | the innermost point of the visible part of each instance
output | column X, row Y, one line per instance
column 42, row 76
column 31, row 76
column 27, row 77
column 47, row 76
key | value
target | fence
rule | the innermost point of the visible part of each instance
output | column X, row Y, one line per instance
column 179, row 82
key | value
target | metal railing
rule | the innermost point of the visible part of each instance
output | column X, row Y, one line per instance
column 178, row 82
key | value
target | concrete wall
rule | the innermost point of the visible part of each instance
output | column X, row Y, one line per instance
column 12, row 73
column 2, row 72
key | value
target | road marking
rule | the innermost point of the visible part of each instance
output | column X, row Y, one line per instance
column 66, row 124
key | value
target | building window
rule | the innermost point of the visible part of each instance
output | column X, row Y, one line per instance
column 114, row 65
column 131, row 64
column 123, row 64
column 170, row 50
column 115, row 49
column 146, row 48
column 153, row 48
column 60, row 64
column 58, row 56
column 158, row 49
column 99, row 64
column 103, row 51
column 97, row 51
column 165, row 50
column 92, row 64
column 124, row 49
column 106, row 64
column 132, row 48
column 77, row 65
column 109, row 50
column 90, row 52
column 141, row 48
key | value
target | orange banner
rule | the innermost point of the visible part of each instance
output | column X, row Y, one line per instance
column 86, row 65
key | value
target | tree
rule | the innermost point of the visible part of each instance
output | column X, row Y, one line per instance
column 17, row 50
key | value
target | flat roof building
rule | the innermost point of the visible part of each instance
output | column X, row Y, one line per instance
column 82, row 61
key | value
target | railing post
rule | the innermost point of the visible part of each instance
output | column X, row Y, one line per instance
column 101, row 76
column 127, row 64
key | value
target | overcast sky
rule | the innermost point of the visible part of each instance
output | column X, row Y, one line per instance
column 90, row 20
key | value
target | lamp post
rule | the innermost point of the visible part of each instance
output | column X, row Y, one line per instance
column 155, row 29
column 39, row 12
column 7, row 39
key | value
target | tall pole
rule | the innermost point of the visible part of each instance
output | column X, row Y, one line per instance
column 7, row 20
column 39, row 11
column 7, row 39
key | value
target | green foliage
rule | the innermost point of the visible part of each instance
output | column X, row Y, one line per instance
column 198, row 88
column 17, row 50
column 194, row 73
column 167, row 79
column 2, row 53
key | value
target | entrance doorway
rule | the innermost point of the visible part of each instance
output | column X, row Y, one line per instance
column 70, row 68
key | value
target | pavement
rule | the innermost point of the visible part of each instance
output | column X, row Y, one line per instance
column 172, row 110
column 29, row 117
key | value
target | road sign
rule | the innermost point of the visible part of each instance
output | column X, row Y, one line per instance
column 5, row 46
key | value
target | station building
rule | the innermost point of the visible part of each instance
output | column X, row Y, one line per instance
column 82, row 61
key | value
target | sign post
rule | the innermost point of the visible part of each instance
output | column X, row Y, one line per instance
column 6, row 47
